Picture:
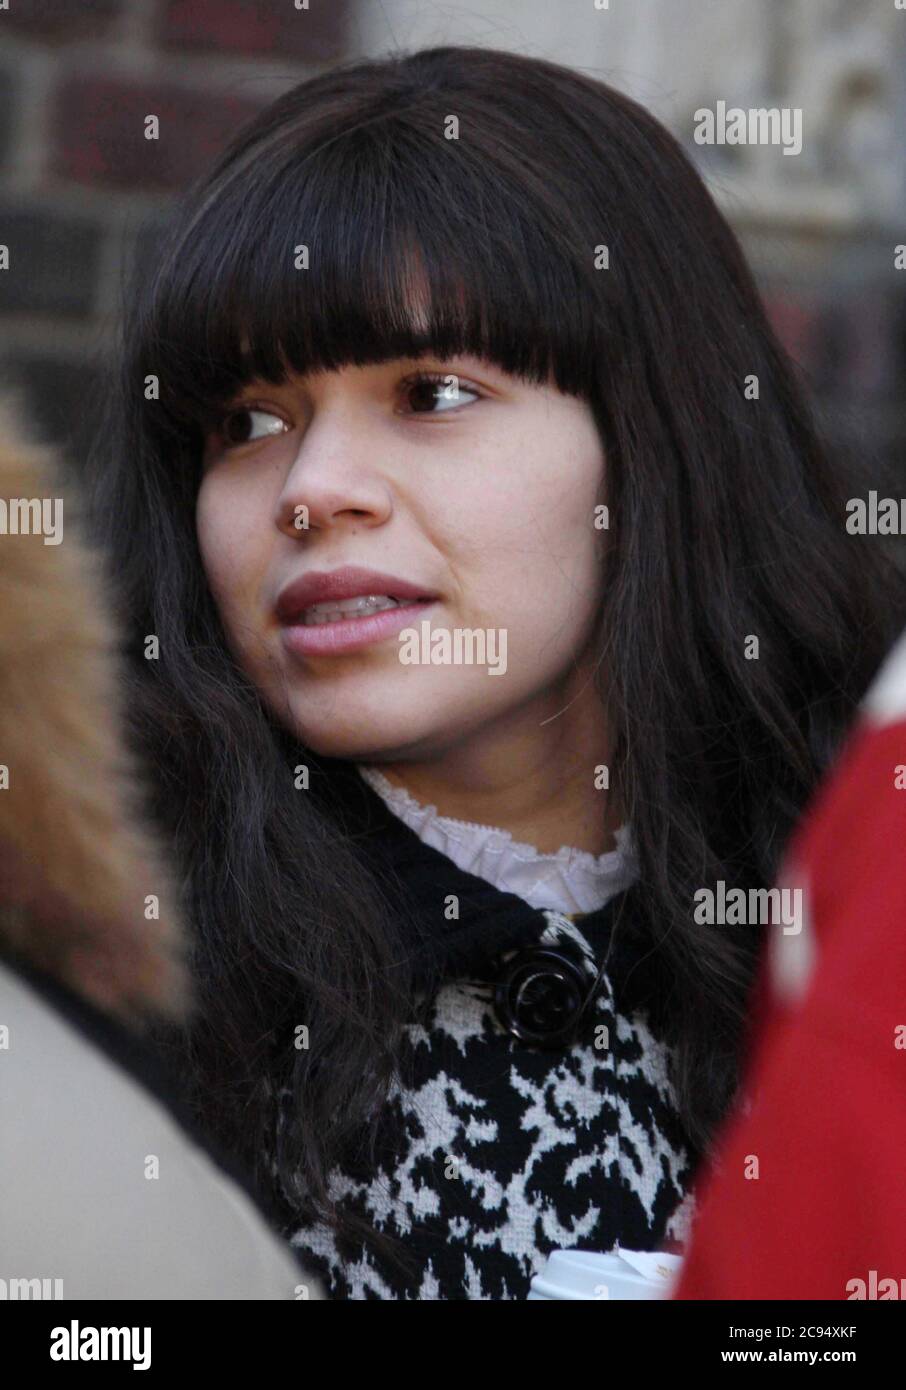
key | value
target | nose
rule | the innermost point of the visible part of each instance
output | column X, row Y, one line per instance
column 334, row 479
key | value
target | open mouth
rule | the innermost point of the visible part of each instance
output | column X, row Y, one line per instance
column 342, row 610
column 322, row 613
column 344, row 625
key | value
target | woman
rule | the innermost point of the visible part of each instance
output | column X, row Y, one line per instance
column 470, row 323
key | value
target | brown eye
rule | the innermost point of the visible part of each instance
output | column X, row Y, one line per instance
column 442, row 390
column 246, row 425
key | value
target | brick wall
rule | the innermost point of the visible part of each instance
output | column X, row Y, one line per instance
column 80, row 186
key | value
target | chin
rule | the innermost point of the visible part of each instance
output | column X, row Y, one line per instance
column 354, row 750
column 367, row 736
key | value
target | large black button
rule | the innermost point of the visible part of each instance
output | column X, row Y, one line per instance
column 542, row 994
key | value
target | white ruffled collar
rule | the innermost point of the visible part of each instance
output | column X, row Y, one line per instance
column 570, row 881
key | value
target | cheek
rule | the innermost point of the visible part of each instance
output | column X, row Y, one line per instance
column 527, row 556
column 215, row 541
column 229, row 534
column 576, row 550
column 539, row 536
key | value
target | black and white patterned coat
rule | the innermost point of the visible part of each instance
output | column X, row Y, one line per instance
column 493, row 1153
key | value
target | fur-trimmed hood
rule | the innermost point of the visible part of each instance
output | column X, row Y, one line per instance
column 85, row 894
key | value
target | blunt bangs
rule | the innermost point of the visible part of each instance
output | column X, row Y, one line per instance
column 413, row 245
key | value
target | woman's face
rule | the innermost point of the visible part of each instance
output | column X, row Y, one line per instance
column 482, row 503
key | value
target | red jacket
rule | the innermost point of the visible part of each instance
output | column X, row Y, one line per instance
column 825, row 1217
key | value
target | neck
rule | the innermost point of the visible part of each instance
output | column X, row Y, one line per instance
column 535, row 779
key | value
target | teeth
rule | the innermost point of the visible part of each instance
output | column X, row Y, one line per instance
column 335, row 610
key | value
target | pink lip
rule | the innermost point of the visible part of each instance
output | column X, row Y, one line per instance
column 349, row 581
column 326, row 639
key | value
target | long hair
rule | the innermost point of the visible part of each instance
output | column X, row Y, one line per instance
column 557, row 227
